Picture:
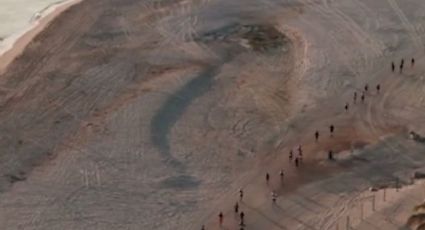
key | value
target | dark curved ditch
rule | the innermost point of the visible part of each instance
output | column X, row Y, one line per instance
column 173, row 108
column 226, row 41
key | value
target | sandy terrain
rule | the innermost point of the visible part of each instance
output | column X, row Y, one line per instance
column 16, row 49
column 126, row 114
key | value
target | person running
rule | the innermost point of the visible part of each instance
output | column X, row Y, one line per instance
column 267, row 177
column 401, row 65
column 413, row 62
column 330, row 155
column 316, row 134
column 236, row 207
column 346, row 107
column 281, row 175
column 355, row 97
column 291, row 155
column 331, row 129
column 240, row 194
column 296, row 162
column 363, row 97
column 220, row 218
column 242, row 215
column 274, row 197
column 378, row 88
column 392, row 66
column 300, row 154
column 366, row 87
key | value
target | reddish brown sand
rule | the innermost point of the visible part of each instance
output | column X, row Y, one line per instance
column 24, row 40
column 128, row 114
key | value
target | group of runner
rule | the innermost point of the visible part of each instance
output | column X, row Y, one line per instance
column 363, row 96
column 412, row 63
column 298, row 159
column 237, row 211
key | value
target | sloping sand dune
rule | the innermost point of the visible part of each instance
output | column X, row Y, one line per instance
column 127, row 114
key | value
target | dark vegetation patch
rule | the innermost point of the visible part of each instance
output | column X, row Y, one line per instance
column 13, row 178
column 260, row 38
column 265, row 38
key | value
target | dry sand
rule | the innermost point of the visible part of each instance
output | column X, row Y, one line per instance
column 19, row 45
column 126, row 114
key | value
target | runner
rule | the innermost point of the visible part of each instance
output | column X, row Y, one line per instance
column 346, row 107
column 392, row 66
column 220, row 218
column 291, row 155
column 274, row 197
column 236, row 207
column 281, row 175
column 267, row 177
column 363, row 97
column 300, row 154
column 331, row 129
column 378, row 88
column 330, row 155
column 296, row 162
column 355, row 97
column 401, row 65
column 240, row 194
column 366, row 87
column 413, row 62
column 316, row 135
column 242, row 215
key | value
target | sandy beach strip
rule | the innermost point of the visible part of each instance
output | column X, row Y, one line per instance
column 39, row 25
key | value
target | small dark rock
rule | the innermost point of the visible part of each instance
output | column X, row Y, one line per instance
column 419, row 175
column 416, row 137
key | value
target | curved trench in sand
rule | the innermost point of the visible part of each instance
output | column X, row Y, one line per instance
column 229, row 42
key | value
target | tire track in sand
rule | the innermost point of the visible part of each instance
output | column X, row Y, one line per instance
column 411, row 30
column 346, row 22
